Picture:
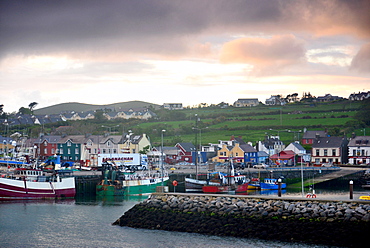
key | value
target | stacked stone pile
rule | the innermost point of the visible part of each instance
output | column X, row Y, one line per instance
column 311, row 209
column 310, row 221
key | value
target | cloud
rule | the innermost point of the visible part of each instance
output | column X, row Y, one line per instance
column 361, row 62
column 163, row 28
column 268, row 56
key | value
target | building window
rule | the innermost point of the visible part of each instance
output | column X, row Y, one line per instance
column 325, row 152
column 76, row 151
column 68, row 151
column 45, row 151
column 69, row 143
column 317, row 152
column 52, row 151
column 334, row 152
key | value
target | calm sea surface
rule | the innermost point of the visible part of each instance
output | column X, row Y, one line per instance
column 86, row 222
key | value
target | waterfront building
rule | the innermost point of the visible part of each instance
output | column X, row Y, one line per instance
column 359, row 150
column 332, row 150
column 46, row 146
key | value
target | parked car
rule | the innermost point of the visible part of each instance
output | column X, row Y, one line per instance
column 327, row 165
column 260, row 166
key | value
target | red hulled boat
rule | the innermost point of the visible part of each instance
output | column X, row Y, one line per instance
column 32, row 184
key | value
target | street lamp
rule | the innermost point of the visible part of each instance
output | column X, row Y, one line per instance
column 302, row 176
column 162, row 155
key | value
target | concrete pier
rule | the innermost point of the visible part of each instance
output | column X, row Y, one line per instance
column 325, row 222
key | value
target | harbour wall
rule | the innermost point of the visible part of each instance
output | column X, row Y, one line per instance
column 309, row 221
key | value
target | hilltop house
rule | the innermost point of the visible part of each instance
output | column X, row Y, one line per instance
column 247, row 102
column 275, row 100
column 172, row 106
column 327, row 98
column 359, row 96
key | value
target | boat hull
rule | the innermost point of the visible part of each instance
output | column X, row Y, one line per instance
column 272, row 186
column 216, row 189
column 132, row 187
column 196, row 185
column 243, row 188
column 20, row 189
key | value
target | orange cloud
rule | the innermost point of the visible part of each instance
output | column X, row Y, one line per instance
column 268, row 56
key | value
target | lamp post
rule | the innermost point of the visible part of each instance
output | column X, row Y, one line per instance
column 302, row 178
column 162, row 155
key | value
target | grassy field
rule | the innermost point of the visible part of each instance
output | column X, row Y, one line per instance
column 252, row 123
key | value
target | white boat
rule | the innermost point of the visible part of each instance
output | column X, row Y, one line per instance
column 26, row 183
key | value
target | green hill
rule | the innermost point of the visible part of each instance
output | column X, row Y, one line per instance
column 83, row 107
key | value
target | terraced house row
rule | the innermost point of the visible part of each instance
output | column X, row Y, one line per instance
column 324, row 149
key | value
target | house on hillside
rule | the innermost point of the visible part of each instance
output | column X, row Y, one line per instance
column 246, row 102
column 172, row 106
column 360, row 96
column 327, row 98
column 275, row 100
column 332, row 150
column 359, row 150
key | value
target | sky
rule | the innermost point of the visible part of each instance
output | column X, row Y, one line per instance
column 189, row 52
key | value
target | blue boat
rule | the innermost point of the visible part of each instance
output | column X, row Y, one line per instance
column 271, row 183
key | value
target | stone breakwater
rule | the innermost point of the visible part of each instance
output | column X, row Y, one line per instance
column 310, row 221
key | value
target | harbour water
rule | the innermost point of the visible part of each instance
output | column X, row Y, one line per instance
column 86, row 222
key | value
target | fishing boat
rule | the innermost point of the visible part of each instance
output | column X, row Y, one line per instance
column 226, row 182
column 213, row 179
column 271, row 183
column 242, row 188
column 130, row 183
column 27, row 183
column 255, row 183
column 238, row 183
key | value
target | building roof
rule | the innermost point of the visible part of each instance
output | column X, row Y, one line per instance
column 247, row 148
column 188, row 147
column 329, row 142
column 360, row 141
column 314, row 134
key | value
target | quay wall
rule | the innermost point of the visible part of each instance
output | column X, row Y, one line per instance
column 344, row 224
